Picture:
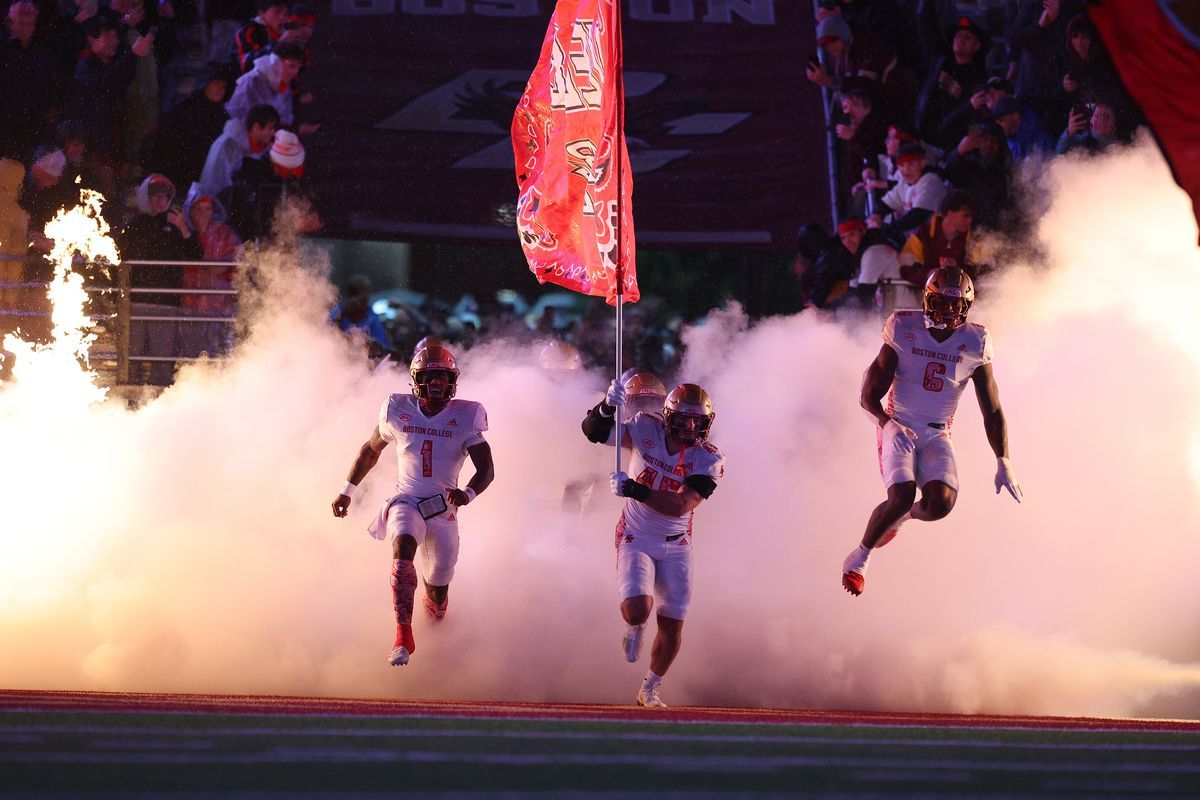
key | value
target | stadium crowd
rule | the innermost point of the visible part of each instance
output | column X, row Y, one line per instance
column 934, row 114
column 192, row 114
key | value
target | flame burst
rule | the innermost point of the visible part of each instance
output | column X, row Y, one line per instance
column 57, row 373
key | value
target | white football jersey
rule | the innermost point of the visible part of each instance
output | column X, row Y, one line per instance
column 430, row 450
column 931, row 375
column 653, row 466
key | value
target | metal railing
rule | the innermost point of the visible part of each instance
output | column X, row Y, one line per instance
column 118, row 318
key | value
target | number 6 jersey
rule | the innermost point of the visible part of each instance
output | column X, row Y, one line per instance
column 931, row 375
column 430, row 450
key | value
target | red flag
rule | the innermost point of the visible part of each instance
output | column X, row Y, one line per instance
column 1160, row 68
column 574, row 195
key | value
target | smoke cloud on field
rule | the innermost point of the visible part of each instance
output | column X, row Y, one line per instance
column 189, row 545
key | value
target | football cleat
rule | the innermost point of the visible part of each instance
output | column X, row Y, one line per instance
column 648, row 698
column 632, row 643
column 854, row 570
column 436, row 610
column 404, row 647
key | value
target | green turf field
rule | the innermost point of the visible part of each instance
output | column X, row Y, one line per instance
column 69, row 753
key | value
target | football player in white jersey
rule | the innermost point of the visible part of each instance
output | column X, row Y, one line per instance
column 434, row 433
column 924, row 365
column 677, row 468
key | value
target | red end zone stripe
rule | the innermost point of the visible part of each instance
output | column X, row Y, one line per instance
column 12, row 700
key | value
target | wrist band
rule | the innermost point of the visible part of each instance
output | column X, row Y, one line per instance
column 606, row 414
column 636, row 491
column 348, row 489
column 470, row 493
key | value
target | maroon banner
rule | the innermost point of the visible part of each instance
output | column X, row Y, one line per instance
column 1158, row 60
column 574, row 208
column 416, row 100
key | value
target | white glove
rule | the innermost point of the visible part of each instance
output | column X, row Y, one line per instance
column 1006, row 479
column 904, row 439
column 615, row 396
column 615, row 481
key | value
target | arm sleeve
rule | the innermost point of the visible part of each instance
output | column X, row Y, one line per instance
column 597, row 427
column 703, row 485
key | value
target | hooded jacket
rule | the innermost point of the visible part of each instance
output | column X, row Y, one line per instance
column 220, row 243
column 225, row 158
column 151, row 237
column 262, row 85
column 14, row 221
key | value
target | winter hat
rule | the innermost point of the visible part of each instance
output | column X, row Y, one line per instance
column 160, row 184
column 287, row 151
column 910, row 151
column 833, row 27
column 850, row 225
column 52, row 163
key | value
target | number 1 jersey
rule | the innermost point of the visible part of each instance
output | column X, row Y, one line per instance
column 430, row 450
column 931, row 375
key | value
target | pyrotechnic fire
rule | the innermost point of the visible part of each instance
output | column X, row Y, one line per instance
column 59, row 372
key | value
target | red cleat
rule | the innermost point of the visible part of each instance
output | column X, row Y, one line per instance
column 853, row 582
column 436, row 610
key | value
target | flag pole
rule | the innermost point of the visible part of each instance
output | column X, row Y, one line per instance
column 617, row 63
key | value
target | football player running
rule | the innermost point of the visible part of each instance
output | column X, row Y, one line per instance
column 677, row 468
column 434, row 433
column 923, row 367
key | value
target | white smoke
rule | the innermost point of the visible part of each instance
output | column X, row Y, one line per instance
column 189, row 545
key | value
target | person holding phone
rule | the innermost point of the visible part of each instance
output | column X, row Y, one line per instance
column 434, row 433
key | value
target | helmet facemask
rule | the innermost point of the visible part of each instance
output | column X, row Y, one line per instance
column 945, row 311
column 425, row 389
column 679, row 427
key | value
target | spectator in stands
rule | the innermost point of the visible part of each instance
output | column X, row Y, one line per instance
column 30, row 85
column 1035, row 38
column 248, row 138
column 952, row 78
column 78, row 174
column 269, row 82
column 1084, row 67
column 1090, row 129
column 355, row 312
column 1022, row 131
column 982, row 164
column 863, row 132
column 160, row 232
column 974, row 110
column 946, row 240
column 261, row 187
column 98, row 92
column 826, row 284
column 834, row 39
column 915, row 197
column 255, row 38
column 206, row 218
column 187, row 132
column 45, row 192
column 141, row 96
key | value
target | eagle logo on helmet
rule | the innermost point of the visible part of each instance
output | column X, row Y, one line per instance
column 427, row 364
column 949, row 294
column 688, row 413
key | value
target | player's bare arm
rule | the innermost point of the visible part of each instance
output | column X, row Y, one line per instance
column 989, row 404
column 996, row 428
column 485, row 472
column 876, row 383
column 368, row 457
